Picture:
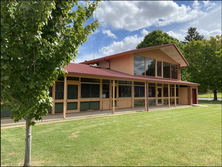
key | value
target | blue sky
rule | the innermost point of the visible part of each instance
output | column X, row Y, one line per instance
column 123, row 24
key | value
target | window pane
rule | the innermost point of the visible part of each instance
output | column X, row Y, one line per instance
column 139, row 103
column 138, row 65
column 94, row 90
column 165, row 91
column 159, row 69
column 139, row 91
column 59, row 92
column 174, row 71
column 72, row 106
column 159, row 101
column 177, row 92
column 166, row 70
column 72, row 92
column 152, row 91
column 172, row 90
column 58, row 107
column 73, row 78
column 150, row 67
column 85, row 90
column 50, row 91
column 124, row 91
column 165, row 101
column 159, row 92
column 152, row 102
column 93, row 105
column 105, row 93
column 139, row 83
column 125, row 82
column 90, row 80
column 105, row 81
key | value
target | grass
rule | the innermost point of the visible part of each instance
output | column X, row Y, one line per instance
column 176, row 137
column 209, row 95
column 209, row 102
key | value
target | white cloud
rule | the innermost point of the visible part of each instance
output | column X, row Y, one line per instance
column 109, row 33
column 177, row 35
column 144, row 32
column 128, row 43
column 208, row 4
column 135, row 15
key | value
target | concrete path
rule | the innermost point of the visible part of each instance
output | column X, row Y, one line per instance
column 205, row 98
column 8, row 123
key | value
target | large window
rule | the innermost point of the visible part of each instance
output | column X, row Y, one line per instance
column 159, row 68
column 166, row 70
column 150, row 67
column 152, row 90
column 59, row 90
column 165, row 90
column 174, row 71
column 105, row 93
column 138, row 65
column 72, row 92
column 124, row 91
column 139, row 91
column 89, row 90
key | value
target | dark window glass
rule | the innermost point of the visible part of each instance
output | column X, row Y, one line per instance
column 90, row 80
column 112, row 81
column 139, row 103
column 89, row 90
column 61, row 78
column 73, row 78
column 138, row 65
column 152, row 91
column 105, row 81
column 72, row 92
column 105, row 93
column 177, row 91
column 165, row 91
column 89, row 105
column 166, row 70
column 139, row 91
column 139, row 83
column 50, row 91
column 159, row 101
column 152, row 102
column 124, row 91
column 58, row 107
column 152, row 84
column 159, row 84
column 159, row 92
column 59, row 92
column 165, row 101
column 72, row 106
column 150, row 67
column 172, row 90
column 159, row 68
column 125, row 82
column 174, row 71
column 115, row 92
column 172, row 101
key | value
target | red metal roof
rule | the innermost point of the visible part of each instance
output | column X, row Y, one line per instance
column 86, row 70
column 136, row 50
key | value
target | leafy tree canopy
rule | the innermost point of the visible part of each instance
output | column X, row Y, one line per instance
column 157, row 37
column 193, row 34
column 205, row 60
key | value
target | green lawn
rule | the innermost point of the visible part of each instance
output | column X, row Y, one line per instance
column 183, row 136
column 210, row 95
column 209, row 102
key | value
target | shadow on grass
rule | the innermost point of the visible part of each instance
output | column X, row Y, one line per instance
column 209, row 102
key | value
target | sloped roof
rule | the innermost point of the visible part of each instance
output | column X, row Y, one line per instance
column 86, row 70
column 169, row 49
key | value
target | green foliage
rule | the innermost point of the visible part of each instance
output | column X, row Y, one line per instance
column 37, row 41
column 193, row 34
column 157, row 37
column 205, row 59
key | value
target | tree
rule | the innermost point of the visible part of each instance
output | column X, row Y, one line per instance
column 157, row 37
column 38, row 38
column 193, row 34
column 205, row 59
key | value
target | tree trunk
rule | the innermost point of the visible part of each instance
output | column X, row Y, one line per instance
column 215, row 95
column 28, row 139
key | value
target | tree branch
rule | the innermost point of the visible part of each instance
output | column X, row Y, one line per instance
column 12, row 97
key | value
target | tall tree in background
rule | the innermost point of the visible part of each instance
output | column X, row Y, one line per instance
column 193, row 34
column 38, row 38
column 205, row 59
column 157, row 37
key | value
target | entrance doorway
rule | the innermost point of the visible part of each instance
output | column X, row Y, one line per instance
column 194, row 96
